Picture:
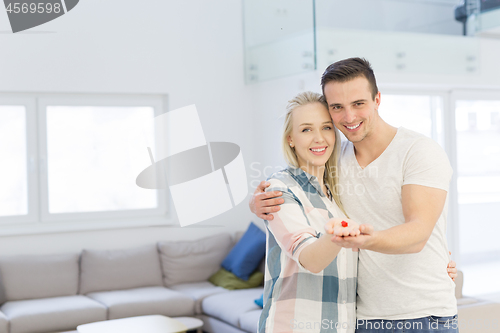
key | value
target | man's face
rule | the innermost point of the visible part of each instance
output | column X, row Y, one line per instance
column 352, row 108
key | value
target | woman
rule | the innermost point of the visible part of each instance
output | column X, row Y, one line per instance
column 310, row 281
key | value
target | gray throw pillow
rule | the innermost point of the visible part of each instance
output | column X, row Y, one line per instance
column 120, row 269
column 35, row 276
column 3, row 299
column 193, row 261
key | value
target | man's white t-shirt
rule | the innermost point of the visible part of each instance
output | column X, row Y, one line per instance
column 408, row 286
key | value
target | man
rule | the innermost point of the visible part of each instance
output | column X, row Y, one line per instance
column 395, row 181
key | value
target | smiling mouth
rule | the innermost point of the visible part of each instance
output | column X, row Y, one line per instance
column 318, row 151
column 353, row 127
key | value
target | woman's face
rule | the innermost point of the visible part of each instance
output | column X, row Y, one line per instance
column 312, row 135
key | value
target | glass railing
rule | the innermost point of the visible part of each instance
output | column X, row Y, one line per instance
column 287, row 37
column 489, row 21
column 279, row 38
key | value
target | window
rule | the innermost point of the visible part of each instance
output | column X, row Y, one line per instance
column 421, row 113
column 13, row 169
column 467, row 125
column 478, row 187
column 78, row 166
column 100, row 170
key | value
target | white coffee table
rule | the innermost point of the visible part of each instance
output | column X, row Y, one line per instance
column 150, row 324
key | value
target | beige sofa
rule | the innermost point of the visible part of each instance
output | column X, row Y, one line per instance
column 55, row 293
column 475, row 315
column 234, row 312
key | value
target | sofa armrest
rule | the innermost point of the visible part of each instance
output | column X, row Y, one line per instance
column 479, row 317
column 459, row 282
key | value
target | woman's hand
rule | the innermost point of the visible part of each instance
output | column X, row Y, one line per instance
column 342, row 227
column 452, row 269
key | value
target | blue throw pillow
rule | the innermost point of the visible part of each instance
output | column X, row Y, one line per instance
column 260, row 301
column 247, row 254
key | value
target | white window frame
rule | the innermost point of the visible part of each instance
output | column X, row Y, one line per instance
column 38, row 219
column 31, row 158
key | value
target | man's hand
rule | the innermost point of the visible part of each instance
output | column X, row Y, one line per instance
column 356, row 242
column 262, row 203
column 422, row 207
column 334, row 227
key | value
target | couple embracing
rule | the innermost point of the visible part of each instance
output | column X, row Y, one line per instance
column 356, row 231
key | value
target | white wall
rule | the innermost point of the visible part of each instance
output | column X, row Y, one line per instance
column 191, row 50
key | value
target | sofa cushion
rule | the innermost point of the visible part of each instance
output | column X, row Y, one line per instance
column 145, row 301
column 230, row 281
column 4, row 323
column 32, row 277
column 52, row 314
column 249, row 321
column 230, row 306
column 120, row 269
column 198, row 291
column 262, row 264
column 193, row 261
column 247, row 254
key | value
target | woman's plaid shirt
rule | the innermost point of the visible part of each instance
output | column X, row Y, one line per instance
column 296, row 300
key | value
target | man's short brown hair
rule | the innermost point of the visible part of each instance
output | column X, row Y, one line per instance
column 348, row 69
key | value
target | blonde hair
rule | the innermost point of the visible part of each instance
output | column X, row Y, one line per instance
column 331, row 176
